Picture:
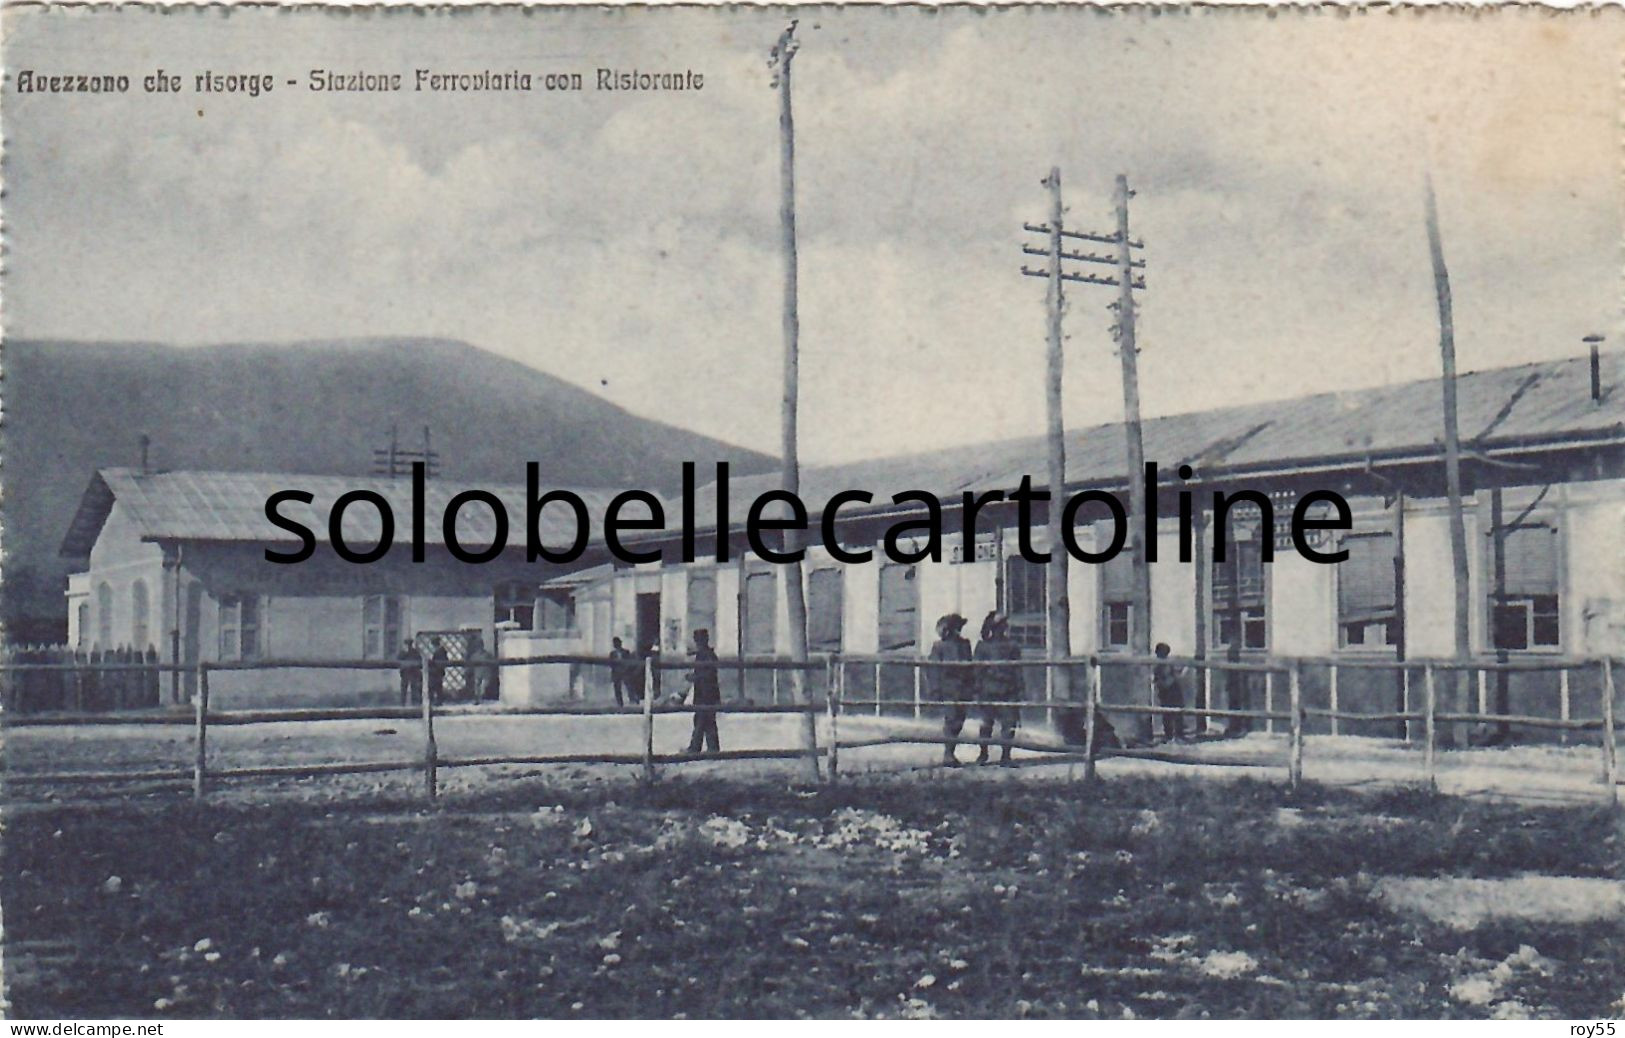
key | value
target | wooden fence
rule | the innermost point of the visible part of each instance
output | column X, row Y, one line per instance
column 836, row 703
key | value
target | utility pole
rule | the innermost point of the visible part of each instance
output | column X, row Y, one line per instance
column 1058, row 642
column 783, row 53
column 1140, row 592
column 1452, row 444
column 1126, row 282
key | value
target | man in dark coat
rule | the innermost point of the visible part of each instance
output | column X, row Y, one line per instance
column 953, row 685
column 998, row 685
column 1165, row 679
column 411, row 672
column 620, row 674
column 707, row 692
column 437, row 672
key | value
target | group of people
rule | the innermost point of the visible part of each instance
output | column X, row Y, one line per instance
column 481, row 674
column 627, row 677
column 998, row 689
column 626, row 673
column 42, row 678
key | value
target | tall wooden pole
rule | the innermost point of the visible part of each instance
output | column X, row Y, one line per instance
column 1452, row 442
column 1058, row 615
column 1140, row 591
column 784, row 53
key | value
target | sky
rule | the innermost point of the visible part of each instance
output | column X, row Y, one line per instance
column 630, row 243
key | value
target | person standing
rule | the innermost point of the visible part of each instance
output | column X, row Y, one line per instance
column 411, row 672
column 951, row 685
column 707, row 692
column 998, row 687
column 1165, row 680
column 437, row 672
column 620, row 665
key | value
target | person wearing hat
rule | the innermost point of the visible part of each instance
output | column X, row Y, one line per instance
column 953, row 685
column 707, row 692
column 998, row 685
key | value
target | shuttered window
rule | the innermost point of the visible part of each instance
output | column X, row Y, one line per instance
column 899, row 607
column 1116, row 601
column 1024, row 602
column 381, row 622
column 825, row 602
column 240, row 627
column 702, row 604
column 1529, row 616
column 1366, row 599
column 760, row 606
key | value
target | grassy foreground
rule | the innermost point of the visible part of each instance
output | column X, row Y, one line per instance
column 955, row 898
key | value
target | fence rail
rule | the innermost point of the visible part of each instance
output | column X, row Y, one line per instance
column 836, row 669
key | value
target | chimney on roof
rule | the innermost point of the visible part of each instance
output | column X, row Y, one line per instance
column 146, row 450
column 1595, row 342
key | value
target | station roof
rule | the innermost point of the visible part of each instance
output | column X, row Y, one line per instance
column 230, row 506
column 1546, row 404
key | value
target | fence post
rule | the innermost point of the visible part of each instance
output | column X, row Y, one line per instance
column 833, row 703
column 1610, row 749
column 1089, row 707
column 200, row 763
column 1563, row 702
column 649, row 716
column 877, row 688
column 1429, row 708
column 431, row 756
column 1332, row 693
column 917, row 696
column 1405, row 699
column 1295, row 694
column 1269, row 701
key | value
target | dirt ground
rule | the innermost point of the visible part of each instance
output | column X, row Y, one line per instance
column 564, row 892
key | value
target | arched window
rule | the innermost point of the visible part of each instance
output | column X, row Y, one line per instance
column 104, row 615
column 138, row 616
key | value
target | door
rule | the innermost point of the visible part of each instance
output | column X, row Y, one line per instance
column 646, row 626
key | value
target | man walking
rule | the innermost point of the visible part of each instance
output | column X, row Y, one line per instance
column 707, row 693
column 952, row 685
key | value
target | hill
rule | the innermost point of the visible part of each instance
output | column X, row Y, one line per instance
column 316, row 407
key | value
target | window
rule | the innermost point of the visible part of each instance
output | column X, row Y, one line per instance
column 515, row 603
column 558, row 611
column 1024, row 602
column 702, row 603
column 825, row 602
column 1117, row 601
column 382, row 618
column 899, row 607
column 761, row 592
column 1528, row 615
column 239, row 627
column 1239, row 592
column 1367, row 612
column 139, row 635
column 104, row 615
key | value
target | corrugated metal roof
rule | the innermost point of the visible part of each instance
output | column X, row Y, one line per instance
column 1526, row 404
column 1530, row 404
column 230, row 506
